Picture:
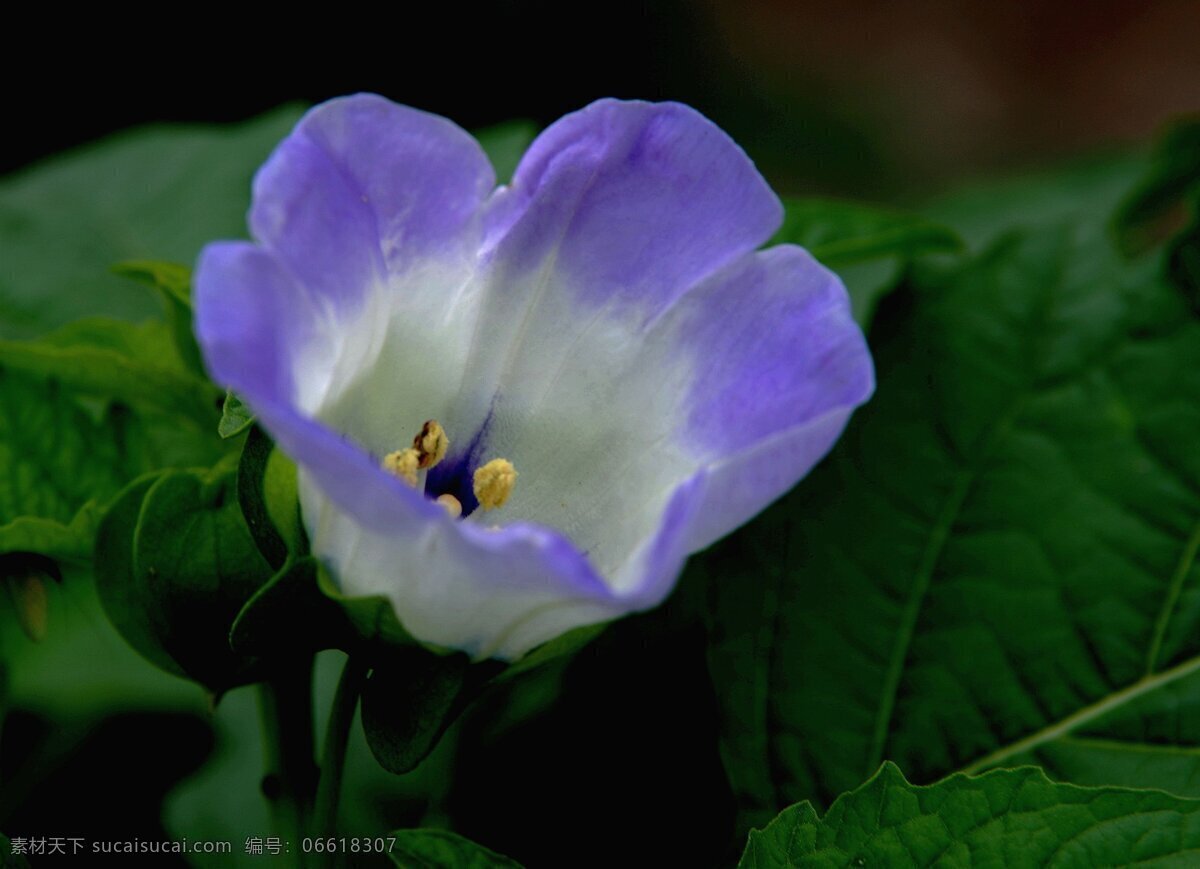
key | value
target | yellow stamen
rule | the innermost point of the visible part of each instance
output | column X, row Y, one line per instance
column 452, row 505
column 431, row 444
column 31, row 603
column 404, row 464
column 494, row 483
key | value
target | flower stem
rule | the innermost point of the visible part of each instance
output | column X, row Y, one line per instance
column 337, row 737
column 285, row 708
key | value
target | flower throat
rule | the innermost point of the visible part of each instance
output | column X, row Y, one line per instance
column 453, row 483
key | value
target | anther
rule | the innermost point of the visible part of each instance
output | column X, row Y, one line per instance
column 404, row 464
column 431, row 444
column 494, row 483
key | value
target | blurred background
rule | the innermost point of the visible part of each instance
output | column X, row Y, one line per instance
column 881, row 99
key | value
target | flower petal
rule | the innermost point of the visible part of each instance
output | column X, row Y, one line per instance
column 730, row 396
column 777, row 366
column 372, row 214
column 251, row 320
column 630, row 203
column 364, row 188
column 614, row 212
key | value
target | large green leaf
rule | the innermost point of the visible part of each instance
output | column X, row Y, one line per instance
column 997, row 564
column 1088, row 190
column 114, row 360
column 1004, row 818
column 160, row 192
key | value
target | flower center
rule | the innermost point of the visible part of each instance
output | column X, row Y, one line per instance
column 491, row 483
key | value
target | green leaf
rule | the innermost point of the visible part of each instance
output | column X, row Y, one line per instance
column 441, row 849
column 410, row 698
column 291, row 613
column 838, row 233
column 1004, row 818
column 113, row 360
column 1183, row 258
column 174, row 565
column 173, row 283
column 1159, row 204
column 998, row 558
column 57, row 462
column 172, row 280
column 125, row 600
column 159, row 192
column 236, row 417
column 566, row 644
column 867, row 246
column 1085, row 191
column 505, row 144
column 268, row 495
column 70, row 543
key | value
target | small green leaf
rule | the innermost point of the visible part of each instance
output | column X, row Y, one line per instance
column 1159, row 205
column 441, row 849
column 291, row 613
column 173, row 283
column 69, row 543
column 410, row 699
column 171, row 279
column 236, row 417
column 1013, row 817
column 268, row 496
column 123, row 594
column 175, row 563
column 505, row 144
column 566, row 644
column 372, row 618
column 866, row 245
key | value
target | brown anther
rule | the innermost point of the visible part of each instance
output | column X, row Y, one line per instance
column 431, row 444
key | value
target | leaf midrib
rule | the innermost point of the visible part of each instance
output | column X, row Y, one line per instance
column 1186, row 560
column 1084, row 716
column 938, row 538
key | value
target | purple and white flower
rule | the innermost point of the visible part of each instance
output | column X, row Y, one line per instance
column 604, row 323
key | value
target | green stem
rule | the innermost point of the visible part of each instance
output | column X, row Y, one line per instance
column 285, row 707
column 337, row 737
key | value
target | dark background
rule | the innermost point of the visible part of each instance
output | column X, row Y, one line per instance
column 887, row 101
